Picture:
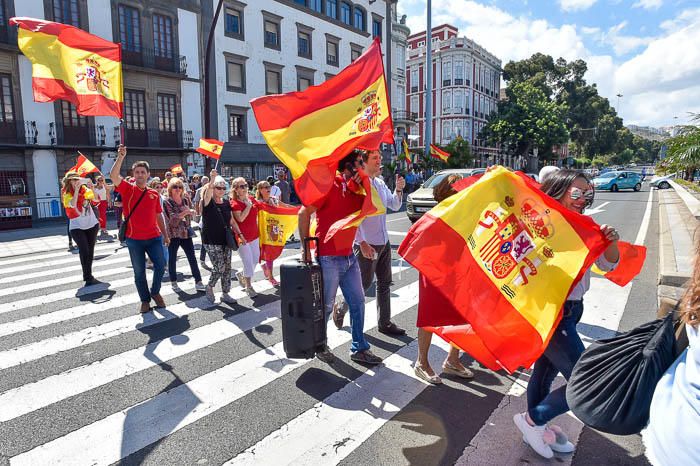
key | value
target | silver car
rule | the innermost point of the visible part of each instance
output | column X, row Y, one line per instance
column 421, row 200
column 661, row 182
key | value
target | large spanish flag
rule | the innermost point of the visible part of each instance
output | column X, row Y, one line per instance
column 276, row 225
column 310, row 131
column 437, row 153
column 505, row 257
column 210, row 148
column 71, row 64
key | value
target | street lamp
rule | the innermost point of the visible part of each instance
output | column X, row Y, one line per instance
column 619, row 96
column 205, row 76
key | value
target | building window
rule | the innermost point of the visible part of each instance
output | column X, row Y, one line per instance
column 377, row 28
column 332, row 8
column 414, row 104
column 459, row 73
column 304, row 44
column 129, row 28
column 359, row 19
column 329, row 76
column 66, row 12
column 162, row 36
column 300, row 2
column 446, row 102
column 316, row 5
column 135, row 109
column 446, row 130
column 7, row 108
column 235, row 73
column 167, row 115
column 355, row 52
column 305, row 78
column 303, row 83
column 458, row 102
column 332, row 53
column 447, row 73
column 236, row 126
column 233, row 23
column 345, row 10
column 71, row 117
column 272, row 34
column 414, row 80
column 273, row 82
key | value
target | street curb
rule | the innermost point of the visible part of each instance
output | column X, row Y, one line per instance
column 690, row 201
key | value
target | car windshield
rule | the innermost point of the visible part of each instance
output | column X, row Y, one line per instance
column 438, row 177
column 608, row 175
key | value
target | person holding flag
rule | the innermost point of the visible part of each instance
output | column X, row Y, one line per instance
column 101, row 191
column 265, row 198
column 78, row 201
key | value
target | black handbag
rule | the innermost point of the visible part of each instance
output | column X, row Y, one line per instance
column 230, row 239
column 122, row 229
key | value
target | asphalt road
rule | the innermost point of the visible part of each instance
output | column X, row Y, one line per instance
column 85, row 379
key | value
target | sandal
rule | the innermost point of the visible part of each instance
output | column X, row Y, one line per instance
column 422, row 374
column 461, row 372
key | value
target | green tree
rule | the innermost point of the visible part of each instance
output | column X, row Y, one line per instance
column 684, row 149
column 460, row 154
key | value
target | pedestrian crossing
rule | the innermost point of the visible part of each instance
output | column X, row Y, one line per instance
column 85, row 379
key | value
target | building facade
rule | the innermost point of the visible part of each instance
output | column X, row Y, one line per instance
column 277, row 46
column 466, row 89
column 161, row 73
column 403, row 119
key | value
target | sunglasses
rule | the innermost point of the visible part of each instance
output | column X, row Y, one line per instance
column 577, row 193
column 222, row 188
column 177, row 187
column 242, row 186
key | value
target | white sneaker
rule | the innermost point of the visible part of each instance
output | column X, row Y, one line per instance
column 227, row 298
column 561, row 443
column 251, row 292
column 199, row 286
column 534, row 436
column 210, row 294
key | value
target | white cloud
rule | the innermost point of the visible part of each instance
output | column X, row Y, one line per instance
column 576, row 5
column 591, row 31
column 648, row 4
column 623, row 44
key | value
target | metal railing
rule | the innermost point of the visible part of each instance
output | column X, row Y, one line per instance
column 180, row 139
column 404, row 115
column 19, row 132
column 163, row 61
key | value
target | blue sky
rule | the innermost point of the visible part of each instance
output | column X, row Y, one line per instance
column 647, row 50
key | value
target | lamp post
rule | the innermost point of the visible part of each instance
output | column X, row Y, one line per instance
column 205, row 76
column 428, row 81
column 619, row 96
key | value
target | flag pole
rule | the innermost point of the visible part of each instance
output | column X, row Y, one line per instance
column 121, row 79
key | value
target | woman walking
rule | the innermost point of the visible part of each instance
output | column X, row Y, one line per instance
column 78, row 201
column 216, row 220
column 102, row 195
column 178, row 214
column 263, row 193
column 575, row 192
column 245, row 212
column 452, row 364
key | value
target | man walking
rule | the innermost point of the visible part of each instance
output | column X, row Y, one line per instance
column 145, row 231
column 283, row 186
column 373, row 249
column 338, row 263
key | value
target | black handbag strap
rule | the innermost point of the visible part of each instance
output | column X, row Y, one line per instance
column 218, row 212
column 131, row 212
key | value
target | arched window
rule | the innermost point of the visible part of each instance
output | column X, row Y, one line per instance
column 359, row 19
column 345, row 10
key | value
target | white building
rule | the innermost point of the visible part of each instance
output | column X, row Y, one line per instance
column 403, row 119
column 161, row 65
column 466, row 89
column 277, row 46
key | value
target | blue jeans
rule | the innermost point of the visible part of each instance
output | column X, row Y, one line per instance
column 562, row 353
column 344, row 271
column 138, row 248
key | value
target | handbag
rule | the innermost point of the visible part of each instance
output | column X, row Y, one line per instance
column 122, row 229
column 230, row 239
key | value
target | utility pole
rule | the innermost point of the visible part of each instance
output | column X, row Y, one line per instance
column 619, row 96
column 428, row 81
column 205, row 77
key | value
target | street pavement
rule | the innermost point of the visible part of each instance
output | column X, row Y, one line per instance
column 85, row 379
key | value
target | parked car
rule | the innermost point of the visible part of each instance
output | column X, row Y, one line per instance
column 421, row 200
column 616, row 180
column 662, row 182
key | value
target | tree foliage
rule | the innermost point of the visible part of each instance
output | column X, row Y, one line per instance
column 684, row 149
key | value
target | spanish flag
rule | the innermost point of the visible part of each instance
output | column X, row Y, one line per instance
column 371, row 205
column 70, row 64
column 406, row 155
column 631, row 261
column 176, row 169
column 210, row 148
column 437, row 153
column 276, row 225
column 504, row 256
column 83, row 166
column 310, row 131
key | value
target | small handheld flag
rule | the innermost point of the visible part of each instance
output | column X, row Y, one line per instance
column 210, row 148
column 438, row 153
column 406, row 155
column 176, row 169
column 83, row 166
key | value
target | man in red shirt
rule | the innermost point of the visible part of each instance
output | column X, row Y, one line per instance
column 338, row 263
column 144, row 228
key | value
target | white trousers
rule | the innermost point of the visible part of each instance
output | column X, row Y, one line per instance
column 250, row 256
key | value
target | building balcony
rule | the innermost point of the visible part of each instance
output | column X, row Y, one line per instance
column 404, row 117
column 153, row 138
column 18, row 132
column 148, row 58
column 86, row 136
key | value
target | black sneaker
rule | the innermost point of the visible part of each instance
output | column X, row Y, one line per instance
column 325, row 355
column 366, row 357
column 391, row 329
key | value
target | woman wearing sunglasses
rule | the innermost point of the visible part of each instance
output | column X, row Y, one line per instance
column 575, row 192
column 245, row 212
column 216, row 219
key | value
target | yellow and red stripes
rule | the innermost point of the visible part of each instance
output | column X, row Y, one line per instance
column 210, row 148
column 437, row 153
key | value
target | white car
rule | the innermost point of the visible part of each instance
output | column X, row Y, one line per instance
column 661, row 182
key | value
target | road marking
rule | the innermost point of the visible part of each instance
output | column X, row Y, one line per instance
column 138, row 426
column 49, row 270
column 596, row 210
column 644, row 227
column 32, row 257
column 37, row 350
column 397, row 219
column 397, row 233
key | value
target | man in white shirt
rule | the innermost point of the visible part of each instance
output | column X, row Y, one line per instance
column 275, row 191
column 373, row 250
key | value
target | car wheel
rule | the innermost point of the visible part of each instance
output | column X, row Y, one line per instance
column 614, row 188
column 638, row 186
column 664, row 185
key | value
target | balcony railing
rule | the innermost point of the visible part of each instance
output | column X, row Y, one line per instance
column 18, row 132
column 404, row 115
column 148, row 58
column 181, row 139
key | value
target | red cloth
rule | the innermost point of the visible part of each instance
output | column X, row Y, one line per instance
column 249, row 226
column 102, row 207
column 340, row 202
column 142, row 225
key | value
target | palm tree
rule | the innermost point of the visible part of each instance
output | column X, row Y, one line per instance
column 684, row 148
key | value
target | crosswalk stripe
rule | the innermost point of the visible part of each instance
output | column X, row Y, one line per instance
column 40, row 349
column 134, row 428
column 68, row 259
column 50, row 255
column 320, row 435
column 48, row 271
